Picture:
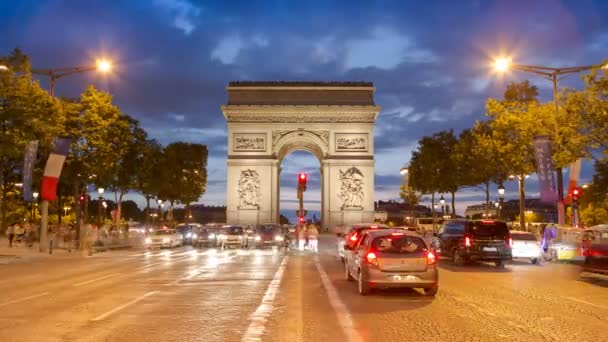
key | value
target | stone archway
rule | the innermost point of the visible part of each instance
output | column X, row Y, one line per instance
column 268, row 120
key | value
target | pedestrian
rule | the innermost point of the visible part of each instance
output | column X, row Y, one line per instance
column 313, row 238
column 301, row 237
column 11, row 234
column 19, row 232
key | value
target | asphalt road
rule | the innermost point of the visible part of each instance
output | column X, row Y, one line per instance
column 234, row 295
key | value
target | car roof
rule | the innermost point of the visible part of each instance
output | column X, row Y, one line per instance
column 521, row 232
column 366, row 225
column 385, row 232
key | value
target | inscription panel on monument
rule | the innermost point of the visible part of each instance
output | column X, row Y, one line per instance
column 249, row 142
column 351, row 142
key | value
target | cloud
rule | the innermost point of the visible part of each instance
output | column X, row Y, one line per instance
column 228, row 49
column 184, row 13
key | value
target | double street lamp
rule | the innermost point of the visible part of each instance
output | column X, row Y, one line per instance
column 501, row 198
column 101, row 65
column 505, row 64
column 100, row 191
column 442, row 202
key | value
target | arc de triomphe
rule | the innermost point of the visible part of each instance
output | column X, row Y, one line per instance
column 332, row 120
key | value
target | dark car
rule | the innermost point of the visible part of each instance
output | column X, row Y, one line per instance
column 475, row 240
column 270, row 234
column 186, row 230
column 206, row 235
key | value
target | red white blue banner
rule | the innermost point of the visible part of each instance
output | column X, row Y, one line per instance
column 29, row 158
column 52, row 171
column 544, row 169
column 575, row 173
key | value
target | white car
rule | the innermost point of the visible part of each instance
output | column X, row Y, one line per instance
column 164, row 238
column 525, row 246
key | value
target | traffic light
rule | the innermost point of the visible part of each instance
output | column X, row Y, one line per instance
column 301, row 219
column 302, row 178
column 576, row 192
column 82, row 198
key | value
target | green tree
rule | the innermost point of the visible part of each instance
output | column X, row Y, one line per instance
column 147, row 178
column 183, row 174
column 27, row 113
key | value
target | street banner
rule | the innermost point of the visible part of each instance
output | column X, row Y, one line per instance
column 544, row 169
column 52, row 170
column 29, row 158
column 575, row 173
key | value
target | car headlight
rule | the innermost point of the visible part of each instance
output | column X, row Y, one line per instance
column 258, row 238
column 188, row 235
column 166, row 240
column 194, row 236
column 148, row 240
column 212, row 236
column 278, row 238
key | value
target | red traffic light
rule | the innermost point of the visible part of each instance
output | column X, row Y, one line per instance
column 302, row 178
column 576, row 192
column 301, row 219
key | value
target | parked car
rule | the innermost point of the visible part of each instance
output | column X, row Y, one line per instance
column 353, row 235
column 269, row 234
column 525, row 246
column 206, row 235
column 388, row 258
column 232, row 236
column 595, row 249
column 164, row 238
column 475, row 240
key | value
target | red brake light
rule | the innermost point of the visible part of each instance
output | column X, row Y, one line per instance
column 397, row 234
column 488, row 221
column 430, row 258
column 373, row 227
column 353, row 238
column 467, row 241
column 510, row 242
column 371, row 258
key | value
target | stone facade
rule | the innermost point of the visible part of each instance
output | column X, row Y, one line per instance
column 266, row 121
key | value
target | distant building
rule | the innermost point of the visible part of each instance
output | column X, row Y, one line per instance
column 540, row 212
column 207, row 214
column 399, row 212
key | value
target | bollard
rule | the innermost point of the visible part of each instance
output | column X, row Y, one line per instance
column 51, row 246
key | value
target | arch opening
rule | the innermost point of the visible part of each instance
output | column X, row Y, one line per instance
column 298, row 160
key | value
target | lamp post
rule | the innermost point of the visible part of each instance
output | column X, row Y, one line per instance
column 100, row 191
column 442, row 202
column 160, row 209
column 34, row 205
column 503, row 64
column 65, row 210
column 101, row 65
column 501, row 199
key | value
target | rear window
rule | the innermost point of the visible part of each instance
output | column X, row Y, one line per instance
column 523, row 237
column 497, row 230
column 402, row 244
column 234, row 230
column 269, row 229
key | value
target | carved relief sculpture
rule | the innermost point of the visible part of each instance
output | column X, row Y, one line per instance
column 351, row 189
column 249, row 190
column 249, row 142
column 351, row 142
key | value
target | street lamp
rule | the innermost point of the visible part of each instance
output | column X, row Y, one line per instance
column 504, row 64
column 442, row 202
column 65, row 210
column 160, row 209
column 3, row 67
column 101, row 65
column 501, row 198
column 35, row 204
column 100, row 191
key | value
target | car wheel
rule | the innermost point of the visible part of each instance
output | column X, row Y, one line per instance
column 499, row 264
column 431, row 291
column 534, row 261
column 458, row 258
column 347, row 272
column 363, row 285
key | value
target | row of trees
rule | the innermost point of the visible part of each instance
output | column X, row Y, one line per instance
column 109, row 148
column 493, row 149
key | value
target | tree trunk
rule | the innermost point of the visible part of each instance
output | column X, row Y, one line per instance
column 522, row 203
column 147, row 213
column 2, row 197
column 453, row 213
column 433, row 210
column 487, row 184
column 78, row 208
column 118, row 214
column 187, row 213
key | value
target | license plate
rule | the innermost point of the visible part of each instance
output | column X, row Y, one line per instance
column 489, row 249
column 405, row 277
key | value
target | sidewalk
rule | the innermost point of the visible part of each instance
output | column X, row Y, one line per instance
column 21, row 253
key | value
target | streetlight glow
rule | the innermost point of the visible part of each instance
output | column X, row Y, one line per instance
column 501, row 190
column 403, row 171
column 502, row 64
column 35, row 195
column 3, row 67
column 104, row 65
column 100, row 191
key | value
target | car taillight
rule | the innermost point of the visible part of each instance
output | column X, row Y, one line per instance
column 510, row 242
column 430, row 258
column 467, row 241
column 371, row 258
column 353, row 238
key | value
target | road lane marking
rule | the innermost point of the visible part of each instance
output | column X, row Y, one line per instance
column 14, row 301
column 160, row 262
column 588, row 303
column 124, row 306
column 96, row 279
column 344, row 317
column 259, row 316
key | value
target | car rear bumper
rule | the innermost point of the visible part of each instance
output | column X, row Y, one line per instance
column 412, row 279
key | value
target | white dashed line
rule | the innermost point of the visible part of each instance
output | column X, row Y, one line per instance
column 586, row 302
column 344, row 317
column 259, row 317
column 24, row 299
column 125, row 305
column 96, row 279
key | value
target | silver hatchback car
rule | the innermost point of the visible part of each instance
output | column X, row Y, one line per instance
column 392, row 258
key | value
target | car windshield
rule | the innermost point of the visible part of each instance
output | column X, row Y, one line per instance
column 493, row 229
column 163, row 232
column 400, row 244
column 268, row 229
column 234, row 230
column 523, row 237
